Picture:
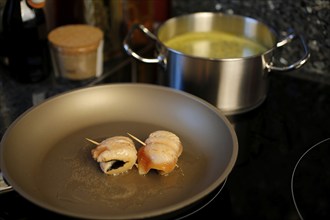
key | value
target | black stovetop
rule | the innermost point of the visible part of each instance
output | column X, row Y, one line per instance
column 273, row 138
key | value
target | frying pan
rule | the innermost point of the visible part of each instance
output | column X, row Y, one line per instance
column 46, row 159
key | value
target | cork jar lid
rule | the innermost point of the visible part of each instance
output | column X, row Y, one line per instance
column 76, row 38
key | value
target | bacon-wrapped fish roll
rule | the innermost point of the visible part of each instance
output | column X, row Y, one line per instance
column 115, row 155
column 161, row 152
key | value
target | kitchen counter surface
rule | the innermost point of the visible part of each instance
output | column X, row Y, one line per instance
column 272, row 138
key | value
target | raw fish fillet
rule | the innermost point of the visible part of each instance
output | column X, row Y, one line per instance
column 116, row 155
column 161, row 152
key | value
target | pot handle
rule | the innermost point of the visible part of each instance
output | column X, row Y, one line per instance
column 3, row 185
column 297, row 64
column 160, row 58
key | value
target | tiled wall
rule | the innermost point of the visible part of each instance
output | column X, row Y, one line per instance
column 308, row 18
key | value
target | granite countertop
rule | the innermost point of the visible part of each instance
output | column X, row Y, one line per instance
column 293, row 118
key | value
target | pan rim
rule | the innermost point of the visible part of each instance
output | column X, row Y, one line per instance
column 146, row 214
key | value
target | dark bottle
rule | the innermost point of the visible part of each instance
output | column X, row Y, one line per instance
column 25, row 35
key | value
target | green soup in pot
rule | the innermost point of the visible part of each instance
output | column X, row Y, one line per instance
column 215, row 44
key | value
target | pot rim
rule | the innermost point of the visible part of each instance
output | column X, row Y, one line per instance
column 270, row 29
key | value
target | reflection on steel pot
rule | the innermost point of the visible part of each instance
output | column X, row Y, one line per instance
column 234, row 83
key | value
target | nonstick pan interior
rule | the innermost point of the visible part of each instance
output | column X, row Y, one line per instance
column 45, row 157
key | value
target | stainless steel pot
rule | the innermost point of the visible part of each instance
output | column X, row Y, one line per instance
column 234, row 85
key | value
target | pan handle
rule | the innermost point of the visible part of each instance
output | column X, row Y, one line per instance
column 3, row 185
column 160, row 57
column 298, row 63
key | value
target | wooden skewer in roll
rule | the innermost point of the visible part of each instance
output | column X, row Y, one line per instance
column 132, row 136
column 92, row 141
column 135, row 138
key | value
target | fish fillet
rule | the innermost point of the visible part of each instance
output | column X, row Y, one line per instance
column 161, row 152
column 115, row 155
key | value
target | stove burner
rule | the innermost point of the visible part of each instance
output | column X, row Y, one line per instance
column 310, row 182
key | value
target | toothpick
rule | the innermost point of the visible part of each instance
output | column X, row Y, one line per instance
column 94, row 142
column 138, row 140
